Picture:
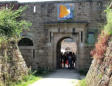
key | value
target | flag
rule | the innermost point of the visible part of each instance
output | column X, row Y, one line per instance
column 65, row 11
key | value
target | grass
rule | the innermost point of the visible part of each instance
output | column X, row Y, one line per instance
column 27, row 80
column 31, row 78
column 82, row 83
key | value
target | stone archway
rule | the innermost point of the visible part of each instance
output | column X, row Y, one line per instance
column 62, row 44
column 56, row 45
column 77, row 31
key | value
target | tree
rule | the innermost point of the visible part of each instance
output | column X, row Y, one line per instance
column 11, row 24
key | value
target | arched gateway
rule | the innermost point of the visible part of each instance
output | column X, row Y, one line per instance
column 64, row 45
column 60, row 31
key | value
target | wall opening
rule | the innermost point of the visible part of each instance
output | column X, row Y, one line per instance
column 25, row 42
column 27, row 51
column 66, row 53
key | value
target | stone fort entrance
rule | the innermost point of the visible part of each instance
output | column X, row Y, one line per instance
column 48, row 31
column 56, row 33
column 61, row 31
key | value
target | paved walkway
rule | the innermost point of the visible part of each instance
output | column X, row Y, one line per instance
column 59, row 78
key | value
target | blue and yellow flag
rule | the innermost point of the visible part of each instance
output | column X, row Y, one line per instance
column 65, row 11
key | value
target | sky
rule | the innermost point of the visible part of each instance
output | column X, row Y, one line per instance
column 34, row 0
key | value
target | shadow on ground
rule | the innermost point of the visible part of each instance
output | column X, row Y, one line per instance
column 65, row 74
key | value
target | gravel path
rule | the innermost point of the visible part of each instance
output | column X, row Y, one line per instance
column 59, row 78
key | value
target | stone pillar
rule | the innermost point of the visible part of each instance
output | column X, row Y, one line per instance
column 77, row 53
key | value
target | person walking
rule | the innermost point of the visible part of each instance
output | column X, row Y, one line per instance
column 61, row 60
column 65, row 59
column 74, row 59
column 70, row 60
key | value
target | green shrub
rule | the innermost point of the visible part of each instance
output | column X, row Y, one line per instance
column 42, row 71
column 82, row 83
column 11, row 24
column 108, row 26
column 28, row 79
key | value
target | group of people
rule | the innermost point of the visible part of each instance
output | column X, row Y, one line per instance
column 68, row 60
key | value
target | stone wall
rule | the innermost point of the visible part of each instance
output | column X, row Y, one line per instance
column 28, row 54
column 88, row 11
column 100, row 72
column 12, row 66
column 85, row 61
